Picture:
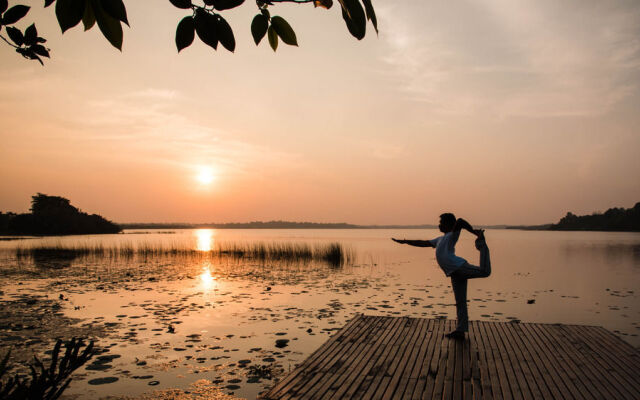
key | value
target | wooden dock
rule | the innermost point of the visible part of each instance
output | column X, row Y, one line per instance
column 375, row 357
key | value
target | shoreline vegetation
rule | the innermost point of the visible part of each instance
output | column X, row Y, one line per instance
column 333, row 254
column 54, row 215
column 613, row 220
column 267, row 225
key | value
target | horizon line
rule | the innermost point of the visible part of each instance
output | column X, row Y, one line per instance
column 425, row 225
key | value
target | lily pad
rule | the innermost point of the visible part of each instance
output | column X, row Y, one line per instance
column 102, row 381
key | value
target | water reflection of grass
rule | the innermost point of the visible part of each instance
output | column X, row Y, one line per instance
column 334, row 254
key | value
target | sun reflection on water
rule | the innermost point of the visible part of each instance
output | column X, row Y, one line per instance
column 204, row 239
column 207, row 280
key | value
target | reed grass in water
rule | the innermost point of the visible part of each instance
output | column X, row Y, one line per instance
column 332, row 253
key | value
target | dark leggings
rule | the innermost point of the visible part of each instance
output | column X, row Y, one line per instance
column 459, row 284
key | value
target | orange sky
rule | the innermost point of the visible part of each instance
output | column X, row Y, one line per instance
column 502, row 112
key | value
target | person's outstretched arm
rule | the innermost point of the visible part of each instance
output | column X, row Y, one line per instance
column 416, row 243
column 462, row 224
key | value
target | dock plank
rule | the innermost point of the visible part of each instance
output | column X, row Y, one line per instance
column 575, row 359
column 547, row 383
column 424, row 374
column 534, row 381
column 406, row 369
column 500, row 383
column 557, row 346
column 421, row 355
column 297, row 375
column 346, row 375
column 378, row 371
column 603, row 388
column 367, row 373
column 516, row 361
column 338, row 370
column 313, row 371
column 382, row 357
column 479, row 369
column 620, row 377
column 389, row 381
column 446, row 349
column 510, row 387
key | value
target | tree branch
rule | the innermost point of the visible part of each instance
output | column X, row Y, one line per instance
column 9, row 43
column 291, row 1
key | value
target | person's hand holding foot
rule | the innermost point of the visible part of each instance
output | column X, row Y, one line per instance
column 480, row 241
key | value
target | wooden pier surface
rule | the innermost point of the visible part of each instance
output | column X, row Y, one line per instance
column 375, row 357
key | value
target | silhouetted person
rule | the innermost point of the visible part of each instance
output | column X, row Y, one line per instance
column 457, row 267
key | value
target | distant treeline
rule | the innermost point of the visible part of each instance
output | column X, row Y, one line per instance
column 269, row 225
column 614, row 219
column 53, row 215
column 543, row 227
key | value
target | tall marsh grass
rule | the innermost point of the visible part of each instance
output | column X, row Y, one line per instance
column 333, row 254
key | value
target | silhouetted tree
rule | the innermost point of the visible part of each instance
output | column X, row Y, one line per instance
column 54, row 215
column 4, row 221
column 614, row 219
column 205, row 21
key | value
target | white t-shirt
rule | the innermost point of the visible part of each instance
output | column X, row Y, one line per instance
column 446, row 252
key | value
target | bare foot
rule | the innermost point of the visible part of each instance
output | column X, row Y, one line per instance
column 456, row 335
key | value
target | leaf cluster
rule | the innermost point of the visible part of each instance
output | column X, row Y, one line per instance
column 46, row 383
column 27, row 43
column 108, row 14
column 356, row 16
column 274, row 27
column 211, row 28
column 205, row 21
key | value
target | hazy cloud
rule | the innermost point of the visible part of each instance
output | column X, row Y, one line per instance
column 154, row 94
column 384, row 150
column 155, row 125
column 535, row 58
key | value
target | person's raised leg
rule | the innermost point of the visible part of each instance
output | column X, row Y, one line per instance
column 485, row 258
column 459, row 286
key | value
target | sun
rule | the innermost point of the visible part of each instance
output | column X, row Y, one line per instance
column 205, row 175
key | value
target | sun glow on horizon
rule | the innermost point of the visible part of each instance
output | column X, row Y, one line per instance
column 205, row 175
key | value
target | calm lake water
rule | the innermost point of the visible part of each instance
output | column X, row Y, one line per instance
column 209, row 325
